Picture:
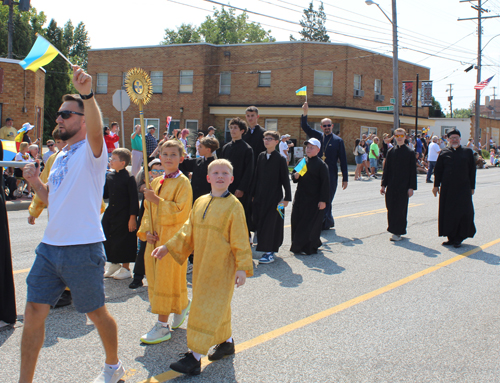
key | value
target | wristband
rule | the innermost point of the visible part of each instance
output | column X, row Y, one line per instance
column 88, row 96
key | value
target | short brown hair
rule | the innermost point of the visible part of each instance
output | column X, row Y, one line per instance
column 74, row 97
column 273, row 134
column 173, row 144
column 253, row 109
column 210, row 143
column 56, row 134
column 241, row 124
column 220, row 161
column 114, row 123
column 123, row 154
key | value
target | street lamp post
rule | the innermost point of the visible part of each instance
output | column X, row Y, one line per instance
column 395, row 62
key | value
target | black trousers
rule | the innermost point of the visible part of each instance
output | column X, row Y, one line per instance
column 139, row 269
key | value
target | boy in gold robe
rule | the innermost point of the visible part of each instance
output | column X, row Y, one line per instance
column 168, row 204
column 217, row 233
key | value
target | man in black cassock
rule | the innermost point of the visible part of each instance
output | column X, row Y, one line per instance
column 255, row 133
column 310, row 201
column 399, row 180
column 8, row 313
column 332, row 151
column 240, row 154
column 455, row 181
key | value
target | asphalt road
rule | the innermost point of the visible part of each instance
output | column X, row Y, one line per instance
column 362, row 310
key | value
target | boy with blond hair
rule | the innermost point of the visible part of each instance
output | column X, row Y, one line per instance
column 217, row 232
column 168, row 206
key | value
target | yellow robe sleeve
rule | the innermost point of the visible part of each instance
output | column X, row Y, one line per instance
column 238, row 240
column 145, row 222
column 37, row 205
column 174, row 212
column 182, row 243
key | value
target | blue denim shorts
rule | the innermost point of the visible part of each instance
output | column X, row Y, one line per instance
column 373, row 163
column 79, row 267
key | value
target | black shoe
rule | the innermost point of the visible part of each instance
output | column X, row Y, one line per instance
column 64, row 300
column 457, row 244
column 187, row 365
column 136, row 283
column 221, row 350
column 429, row 182
column 447, row 243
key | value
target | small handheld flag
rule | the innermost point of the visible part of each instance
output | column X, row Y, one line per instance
column 302, row 91
column 42, row 53
column 301, row 167
column 169, row 120
column 483, row 84
column 281, row 210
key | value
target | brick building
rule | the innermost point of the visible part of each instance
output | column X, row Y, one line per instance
column 203, row 84
column 22, row 95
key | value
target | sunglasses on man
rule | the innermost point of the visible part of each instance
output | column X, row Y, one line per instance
column 65, row 114
column 327, row 126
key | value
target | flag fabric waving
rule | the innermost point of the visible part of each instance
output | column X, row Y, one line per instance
column 483, row 84
column 40, row 54
column 302, row 91
column 301, row 167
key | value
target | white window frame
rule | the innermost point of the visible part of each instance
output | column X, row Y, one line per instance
column 101, row 83
column 357, row 82
column 149, row 121
column 225, row 88
column 186, row 81
column 323, row 90
column 367, row 130
column 157, row 81
column 377, row 86
column 270, row 122
column 265, row 78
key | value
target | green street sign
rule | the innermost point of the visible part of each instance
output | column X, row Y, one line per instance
column 392, row 101
column 389, row 108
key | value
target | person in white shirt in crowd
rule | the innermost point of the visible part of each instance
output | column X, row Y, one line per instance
column 432, row 157
column 200, row 136
column 284, row 146
column 52, row 149
column 183, row 139
column 211, row 132
column 115, row 128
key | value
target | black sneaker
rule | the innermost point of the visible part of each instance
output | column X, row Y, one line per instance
column 187, row 365
column 221, row 350
column 136, row 283
column 64, row 300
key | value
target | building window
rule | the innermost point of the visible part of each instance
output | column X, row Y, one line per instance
column 192, row 126
column 357, row 82
column 265, row 78
column 186, row 83
column 368, row 130
column 272, row 124
column 157, row 81
column 102, row 83
column 105, row 122
column 446, row 129
column 227, row 135
column 323, row 82
column 377, row 87
column 149, row 121
column 174, row 124
column 225, row 83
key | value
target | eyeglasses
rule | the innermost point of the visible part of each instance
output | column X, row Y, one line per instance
column 399, row 135
column 327, row 126
column 268, row 139
column 65, row 114
column 157, row 172
column 50, row 145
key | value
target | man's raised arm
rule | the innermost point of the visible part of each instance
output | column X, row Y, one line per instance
column 305, row 126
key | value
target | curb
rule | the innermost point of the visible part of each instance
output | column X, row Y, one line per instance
column 17, row 205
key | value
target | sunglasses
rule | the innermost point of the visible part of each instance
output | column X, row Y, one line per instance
column 50, row 145
column 399, row 135
column 154, row 171
column 327, row 126
column 65, row 114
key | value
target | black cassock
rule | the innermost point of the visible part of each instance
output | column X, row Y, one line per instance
column 313, row 187
column 240, row 154
column 120, row 244
column 7, row 290
column 400, row 174
column 270, row 178
column 199, row 168
column 255, row 140
column 455, row 174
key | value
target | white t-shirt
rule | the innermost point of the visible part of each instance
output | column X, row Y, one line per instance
column 46, row 155
column 434, row 150
column 23, row 157
column 117, row 145
column 75, row 205
column 283, row 146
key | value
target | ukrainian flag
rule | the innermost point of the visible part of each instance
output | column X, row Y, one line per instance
column 302, row 91
column 40, row 54
column 9, row 150
column 301, row 167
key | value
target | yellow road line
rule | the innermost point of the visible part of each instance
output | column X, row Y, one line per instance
column 168, row 375
column 21, row 271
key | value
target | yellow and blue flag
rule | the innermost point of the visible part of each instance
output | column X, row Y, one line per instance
column 301, row 167
column 40, row 54
column 9, row 150
column 302, row 91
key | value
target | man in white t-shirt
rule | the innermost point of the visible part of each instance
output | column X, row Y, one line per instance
column 71, row 252
column 115, row 128
column 284, row 146
column 432, row 157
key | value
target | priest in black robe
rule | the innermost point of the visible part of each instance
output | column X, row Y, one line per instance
column 255, row 133
column 8, row 313
column 455, row 181
column 310, row 201
column 271, row 177
column 399, row 181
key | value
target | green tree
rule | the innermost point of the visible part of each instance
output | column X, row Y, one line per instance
column 313, row 25
column 78, row 51
column 461, row 113
column 186, row 33
column 435, row 109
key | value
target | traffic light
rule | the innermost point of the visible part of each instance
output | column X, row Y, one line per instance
column 24, row 5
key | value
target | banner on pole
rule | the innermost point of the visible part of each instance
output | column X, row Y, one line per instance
column 407, row 94
column 426, row 93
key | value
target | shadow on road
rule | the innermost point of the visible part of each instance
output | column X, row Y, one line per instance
column 66, row 323
column 490, row 259
column 320, row 263
column 279, row 270
column 412, row 246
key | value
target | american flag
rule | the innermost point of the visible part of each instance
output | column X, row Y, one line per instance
column 483, row 84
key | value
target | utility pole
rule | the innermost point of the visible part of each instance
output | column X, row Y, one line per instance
column 416, row 111
column 450, row 97
column 10, row 27
column 479, row 18
column 494, row 103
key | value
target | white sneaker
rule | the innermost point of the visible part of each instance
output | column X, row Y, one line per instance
column 157, row 335
column 179, row 318
column 396, row 238
column 123, row 274
column 110, row 375
column 113, row 268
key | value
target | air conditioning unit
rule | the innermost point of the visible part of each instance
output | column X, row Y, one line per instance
column 379, row 97
column 359, row 93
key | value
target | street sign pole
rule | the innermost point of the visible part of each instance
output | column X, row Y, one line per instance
column 123, row 127
column 121, row 102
